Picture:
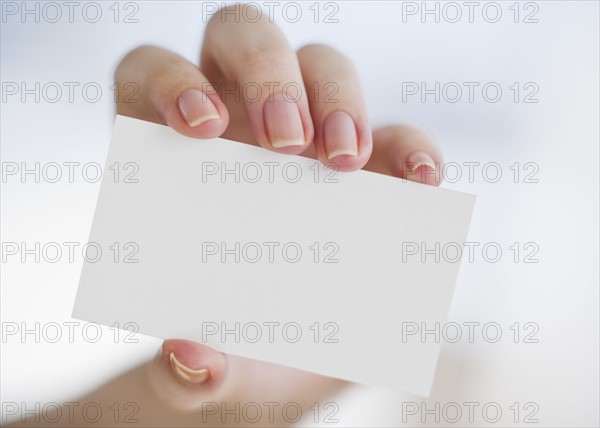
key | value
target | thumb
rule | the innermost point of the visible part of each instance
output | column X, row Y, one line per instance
column 185, row 374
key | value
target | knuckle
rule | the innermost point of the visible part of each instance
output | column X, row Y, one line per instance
column 400, row 134
column 330, row 61
column 263, row 56
column 161, row 74
column 237, row 13
column 323, row 50
column 314, row 47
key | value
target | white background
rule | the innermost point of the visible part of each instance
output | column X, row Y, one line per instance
column 559, row 213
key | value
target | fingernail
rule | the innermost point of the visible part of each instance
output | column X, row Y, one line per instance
column 340, row 135
column 196, row 108
column 283, row 122
column 421, row 168
column 187, row 374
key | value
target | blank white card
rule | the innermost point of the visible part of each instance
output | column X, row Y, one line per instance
column 273, row 257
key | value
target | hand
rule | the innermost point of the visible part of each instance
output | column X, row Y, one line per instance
column 237, row 93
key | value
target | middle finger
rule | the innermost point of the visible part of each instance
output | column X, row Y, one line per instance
column 256, row 56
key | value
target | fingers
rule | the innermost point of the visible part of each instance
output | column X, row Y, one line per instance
column 406, row 152
column 257, row 57
column 166, row 88
column 184, row 374
column 342, row 131
column 289, row 88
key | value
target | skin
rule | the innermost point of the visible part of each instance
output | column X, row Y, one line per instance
column 248, row 53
